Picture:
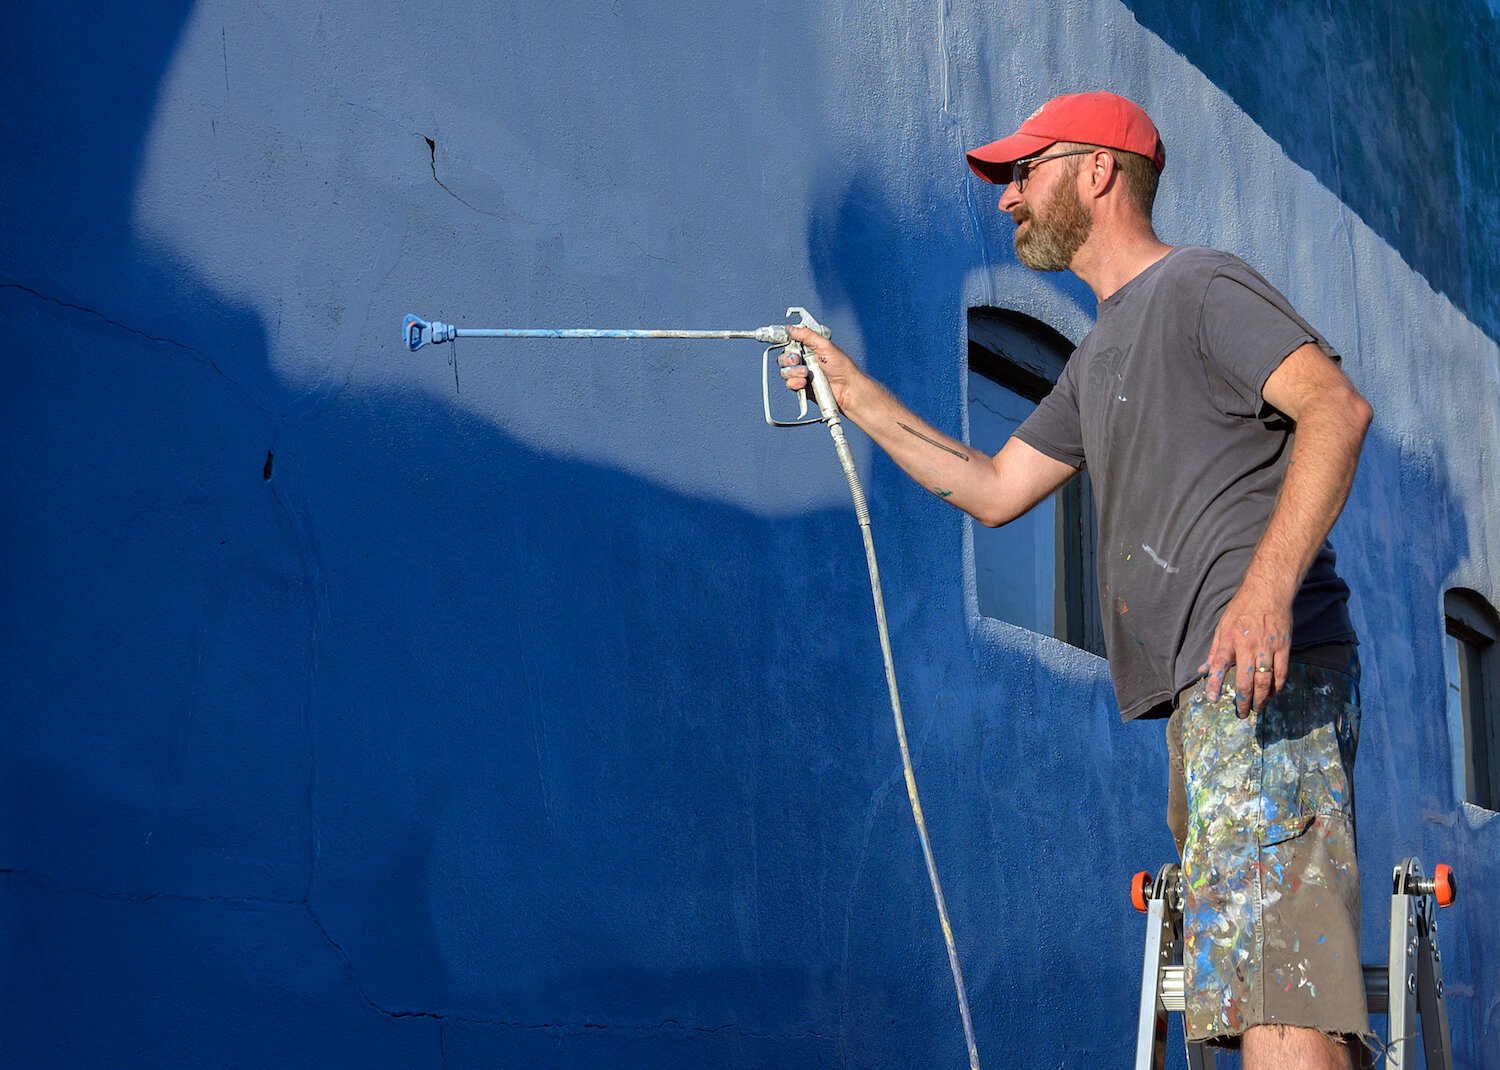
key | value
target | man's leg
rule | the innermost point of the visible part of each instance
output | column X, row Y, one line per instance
column 1275, row 1047
column 1272, row 918
column 1263, row 1047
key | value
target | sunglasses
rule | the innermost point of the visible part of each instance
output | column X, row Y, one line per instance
column 1021, row 170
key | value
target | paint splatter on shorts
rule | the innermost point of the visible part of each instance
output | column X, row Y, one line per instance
column 1263, row 812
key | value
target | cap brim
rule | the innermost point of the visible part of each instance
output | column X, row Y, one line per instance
column 992, row 162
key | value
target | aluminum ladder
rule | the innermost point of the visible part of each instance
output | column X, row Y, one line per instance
column 1414, row 961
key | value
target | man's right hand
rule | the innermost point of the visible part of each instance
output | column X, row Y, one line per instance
column 994, row 490
column 843, row 374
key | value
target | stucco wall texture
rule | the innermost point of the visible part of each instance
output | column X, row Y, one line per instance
column 361, row 710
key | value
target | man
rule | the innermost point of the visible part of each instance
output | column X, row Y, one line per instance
column 1222, row 440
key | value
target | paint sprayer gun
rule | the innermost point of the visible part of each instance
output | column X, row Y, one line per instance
column 419, row 332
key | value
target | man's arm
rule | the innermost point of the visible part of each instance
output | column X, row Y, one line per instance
column 994, row 490
column 1331, row 418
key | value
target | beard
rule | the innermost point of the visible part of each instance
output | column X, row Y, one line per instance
column 1056, row 234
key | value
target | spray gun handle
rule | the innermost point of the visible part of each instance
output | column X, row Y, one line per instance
column 822, row 389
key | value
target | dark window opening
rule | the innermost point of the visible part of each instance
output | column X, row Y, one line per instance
column 1038, row 571
column 1470, row 655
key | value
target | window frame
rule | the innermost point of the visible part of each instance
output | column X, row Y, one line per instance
column 1470, row 620
column 1076, row 618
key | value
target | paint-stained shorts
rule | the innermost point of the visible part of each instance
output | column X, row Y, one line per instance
column 1263, row 813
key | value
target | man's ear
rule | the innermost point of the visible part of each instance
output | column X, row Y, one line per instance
column 1104, row 171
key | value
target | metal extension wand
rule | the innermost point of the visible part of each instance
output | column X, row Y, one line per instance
column 417, row 332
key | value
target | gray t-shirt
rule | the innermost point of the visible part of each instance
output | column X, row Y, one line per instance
column 1162, row 400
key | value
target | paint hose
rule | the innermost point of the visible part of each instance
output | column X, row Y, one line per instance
column 823, row 392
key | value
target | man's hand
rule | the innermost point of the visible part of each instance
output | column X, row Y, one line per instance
column 1253, row 642
column 841, row 371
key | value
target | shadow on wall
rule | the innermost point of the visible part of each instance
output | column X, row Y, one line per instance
column 499, row 726
column 326, row 719
column 348, row 720
column 1354, row 62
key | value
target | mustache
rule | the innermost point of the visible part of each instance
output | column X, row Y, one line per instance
column 1021, row 214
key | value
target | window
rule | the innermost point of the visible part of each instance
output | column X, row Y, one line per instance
column 1037, row 571
column 1469, row 662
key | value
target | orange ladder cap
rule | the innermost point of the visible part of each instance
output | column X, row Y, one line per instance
column 1140, row 890
column 1444, row 888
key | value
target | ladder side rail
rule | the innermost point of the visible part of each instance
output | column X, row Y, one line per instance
column 1151, row 1027
column 1401, row 1048
column 1431, row 1004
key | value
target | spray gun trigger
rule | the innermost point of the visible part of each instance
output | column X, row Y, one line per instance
column 798, row 350
column 765, row 393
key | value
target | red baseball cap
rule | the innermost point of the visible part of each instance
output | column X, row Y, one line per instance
column 1101, row 118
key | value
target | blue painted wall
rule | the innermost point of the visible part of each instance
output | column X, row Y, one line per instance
column 1422, row 178
column 361, row 710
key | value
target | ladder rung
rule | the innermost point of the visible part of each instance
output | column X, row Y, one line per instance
column 1377, row 988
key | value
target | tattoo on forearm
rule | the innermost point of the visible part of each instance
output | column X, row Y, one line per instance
column 941, row 493
column 933, row 442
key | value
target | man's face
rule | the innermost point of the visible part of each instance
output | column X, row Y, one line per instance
column 1051, row 221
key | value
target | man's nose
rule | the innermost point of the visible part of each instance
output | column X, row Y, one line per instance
column 1009, row 197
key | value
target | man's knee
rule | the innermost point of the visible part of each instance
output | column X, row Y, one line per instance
column 1269, row 1047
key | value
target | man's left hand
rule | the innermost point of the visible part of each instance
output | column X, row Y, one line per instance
column 1253, row 644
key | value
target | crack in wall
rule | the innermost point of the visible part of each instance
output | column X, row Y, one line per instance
column 560, row 1026
column 193, row 351
column 536, row 689
column 669, row 1026
column 318, row 614
column 294, row 504
column 968, row 179
column 650, row 255
column 94, row 892
column 307, row 548
column 202, row 644
column 1338, row 180
column 432, row 151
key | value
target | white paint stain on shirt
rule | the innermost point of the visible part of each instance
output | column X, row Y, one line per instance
column 1158, row 559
